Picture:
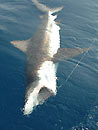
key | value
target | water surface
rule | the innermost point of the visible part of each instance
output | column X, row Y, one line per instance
column 75, row 106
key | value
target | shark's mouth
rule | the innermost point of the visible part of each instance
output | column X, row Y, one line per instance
column 38, row 96
column 43, row 94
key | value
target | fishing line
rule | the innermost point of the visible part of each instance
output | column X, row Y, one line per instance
column 77, row 65
column 90, row 47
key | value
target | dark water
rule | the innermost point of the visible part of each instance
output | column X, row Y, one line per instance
column 76, row 105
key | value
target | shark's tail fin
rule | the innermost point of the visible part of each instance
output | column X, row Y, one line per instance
column 43, row 8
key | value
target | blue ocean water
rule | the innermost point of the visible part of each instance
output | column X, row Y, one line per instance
column 75, row 107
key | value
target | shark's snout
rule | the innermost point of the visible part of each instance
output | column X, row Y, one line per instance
column 36, row 97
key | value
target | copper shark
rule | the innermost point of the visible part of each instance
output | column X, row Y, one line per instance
column 43, row 52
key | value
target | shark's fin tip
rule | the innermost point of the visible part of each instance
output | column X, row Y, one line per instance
column 21, row 45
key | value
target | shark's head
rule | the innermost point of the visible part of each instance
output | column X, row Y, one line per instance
column 42, row 88
column 36, row 94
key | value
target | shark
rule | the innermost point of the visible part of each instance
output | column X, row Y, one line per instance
column 43, row 52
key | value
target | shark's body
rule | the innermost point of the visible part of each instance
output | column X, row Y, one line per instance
column 43, row 51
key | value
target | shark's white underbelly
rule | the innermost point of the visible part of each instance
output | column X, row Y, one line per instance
column 54, row 42
column 47, row 74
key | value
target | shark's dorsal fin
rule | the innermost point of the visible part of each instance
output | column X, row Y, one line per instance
column 67, row 53
column 22, row 45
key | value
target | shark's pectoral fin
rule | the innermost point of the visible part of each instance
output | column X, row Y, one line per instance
column 22, row 45
column 66, row 53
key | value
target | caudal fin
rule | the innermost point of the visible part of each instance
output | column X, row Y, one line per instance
column 44, row 8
